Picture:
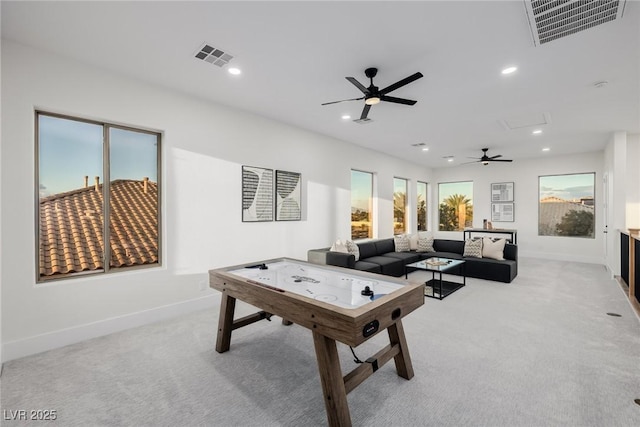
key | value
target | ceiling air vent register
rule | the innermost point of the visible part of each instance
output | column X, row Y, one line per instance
column 213, row 55
column 553, row 19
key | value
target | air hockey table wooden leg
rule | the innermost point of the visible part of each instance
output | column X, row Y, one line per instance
column 333, row 389
column 225, row 322
column 404, row 367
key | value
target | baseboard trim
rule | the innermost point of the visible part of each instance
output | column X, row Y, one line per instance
column 56, row 339
column 563, row 257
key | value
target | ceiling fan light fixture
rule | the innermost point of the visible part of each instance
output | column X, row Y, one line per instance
column 485, row 163
column 372, row 100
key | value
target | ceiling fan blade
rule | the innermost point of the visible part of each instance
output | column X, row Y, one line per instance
column 365, row 111
column 500, row 160
column 495, row 157
column 358, row 85
column 466, row 163
column 400, row 83
column 397, row 100
column 344, row 100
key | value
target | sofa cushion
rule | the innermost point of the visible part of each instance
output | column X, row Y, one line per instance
column 443, row 245
column 406, row 257
column 493, row 249
column 450, row 255
column 385, row 245
column 367, row 249
column 368, row 266
column 402, row 243
column 388, row 265
column 491, row 269
column 472, row 248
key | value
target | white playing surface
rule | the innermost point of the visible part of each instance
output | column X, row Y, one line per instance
column 337, row 288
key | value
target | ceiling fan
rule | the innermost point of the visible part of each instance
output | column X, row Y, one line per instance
column 373, row 95
column 485, row 160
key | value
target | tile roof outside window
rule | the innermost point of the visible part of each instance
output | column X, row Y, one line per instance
column 71, row 226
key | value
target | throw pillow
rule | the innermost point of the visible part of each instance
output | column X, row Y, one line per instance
column 473, row 248
column 493, row 249
column 402, row 243
column 352, row 248
column 413, row 241
column 339, row 246
column 425, row 244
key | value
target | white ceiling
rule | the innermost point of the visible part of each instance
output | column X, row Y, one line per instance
column 296, row 55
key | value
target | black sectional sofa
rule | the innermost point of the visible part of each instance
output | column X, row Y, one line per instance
column 380, row 256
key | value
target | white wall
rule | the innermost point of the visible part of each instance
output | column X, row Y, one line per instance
column 524, row 174
column 204, row 146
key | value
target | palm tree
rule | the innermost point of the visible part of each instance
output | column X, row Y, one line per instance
column 456, row 212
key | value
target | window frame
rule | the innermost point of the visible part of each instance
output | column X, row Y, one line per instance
column 106, row 191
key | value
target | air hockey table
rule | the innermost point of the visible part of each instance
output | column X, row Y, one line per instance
column 336, row 304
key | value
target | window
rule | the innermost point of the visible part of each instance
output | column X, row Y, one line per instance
column 399, row 205
column 86, row 172
column 455, row 205
column 421, row 203
column 567, row 205
column 361, row 205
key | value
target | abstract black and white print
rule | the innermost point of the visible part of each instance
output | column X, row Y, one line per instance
column 288, row 196
column 257, row 194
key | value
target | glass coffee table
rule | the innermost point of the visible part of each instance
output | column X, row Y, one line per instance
column 438, row 288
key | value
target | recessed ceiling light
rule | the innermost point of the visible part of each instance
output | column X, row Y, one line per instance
column 537, row 132
column 425, row 149
column 546, row 149
column 509, row 70
column 235, row 71
column 346, row 117
column 450, row 159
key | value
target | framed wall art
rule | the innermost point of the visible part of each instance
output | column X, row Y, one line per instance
column 257, row 194
column 502, row 212
column 288, row 196
column 502, row 192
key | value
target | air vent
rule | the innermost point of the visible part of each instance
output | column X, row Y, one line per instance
column 553, row 19
column 213, row 55
column 419, row 144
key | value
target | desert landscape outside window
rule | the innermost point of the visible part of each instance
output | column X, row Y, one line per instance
column 361, row 205
column 88, row 171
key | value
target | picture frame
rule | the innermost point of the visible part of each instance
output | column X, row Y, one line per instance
column 288, row 196
column 257, row 194
column 502, row 192
column 502, row 212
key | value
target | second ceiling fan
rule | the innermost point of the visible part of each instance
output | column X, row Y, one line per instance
column 485, row 159
column 373, row 95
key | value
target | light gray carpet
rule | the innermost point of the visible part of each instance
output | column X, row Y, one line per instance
column 540, row 351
